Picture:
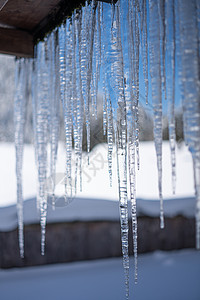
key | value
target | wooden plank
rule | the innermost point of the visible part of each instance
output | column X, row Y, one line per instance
column 25, row 14
column 24, row 22
column 86, row 240
column 16, row 42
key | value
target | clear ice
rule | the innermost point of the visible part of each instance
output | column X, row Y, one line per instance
column 115, row 44
column 155, row 46
column 20, row 105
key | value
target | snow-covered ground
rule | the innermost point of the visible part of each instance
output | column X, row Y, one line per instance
column 162, row 276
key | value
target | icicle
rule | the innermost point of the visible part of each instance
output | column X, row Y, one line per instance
column 131, row 168
column 42, row 115
column 54, row 117
column 97, row 57
column 77, row 94
column 80, row 91
column 132, row 118
column 34, row 96
column 21, row 98
column 110, row 138
column 134, row 44
column 155, row 68
column 114, row 87
column 94, row 79
column 122, row 182
column 68, row 108
column 75, row 98
column 104, row 74
column 121, row 146
column 132, row 179
column 170, row 87
column 190, row 83
column 65, row 58
column 144, row 44
column 104, row 110
column 161, row 12
column 89, row 72
column 107, row 103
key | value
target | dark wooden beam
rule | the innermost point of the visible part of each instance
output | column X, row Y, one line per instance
column 25, row 22
column 26, row 14
column 86, row 240
column 16, row 42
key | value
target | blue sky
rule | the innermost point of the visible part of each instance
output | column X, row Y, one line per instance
column 142, row 100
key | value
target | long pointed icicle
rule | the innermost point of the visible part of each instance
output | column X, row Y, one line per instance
column 75, row 98
column 144, row 44
column 89, row 71
column 121, row 145
column 132, row 180
column 42, row 116
column 80, row 92
column 21, row 98
column 34, row 97
column 170, row 83
column 136, row 47
column 190, row 83
column 132, row 126
column 162, row 22
column 155, row 70
column 54, row 102
column 68, row 109
column 65, row 59
column 132, row 174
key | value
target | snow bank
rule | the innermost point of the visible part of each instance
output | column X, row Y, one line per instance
column 81, row 209
column 95, row 176
column 94, row 202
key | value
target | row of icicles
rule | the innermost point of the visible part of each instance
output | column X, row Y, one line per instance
column 112, row 44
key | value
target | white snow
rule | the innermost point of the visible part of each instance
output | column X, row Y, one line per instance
column 89, row 204
column 162, row 275
column 95, row 176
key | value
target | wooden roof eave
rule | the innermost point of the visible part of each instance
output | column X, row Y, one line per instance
column 23, row 23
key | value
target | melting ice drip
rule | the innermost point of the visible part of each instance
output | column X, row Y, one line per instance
column 111, row 42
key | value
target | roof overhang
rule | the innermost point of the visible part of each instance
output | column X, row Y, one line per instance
column 24, row 22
